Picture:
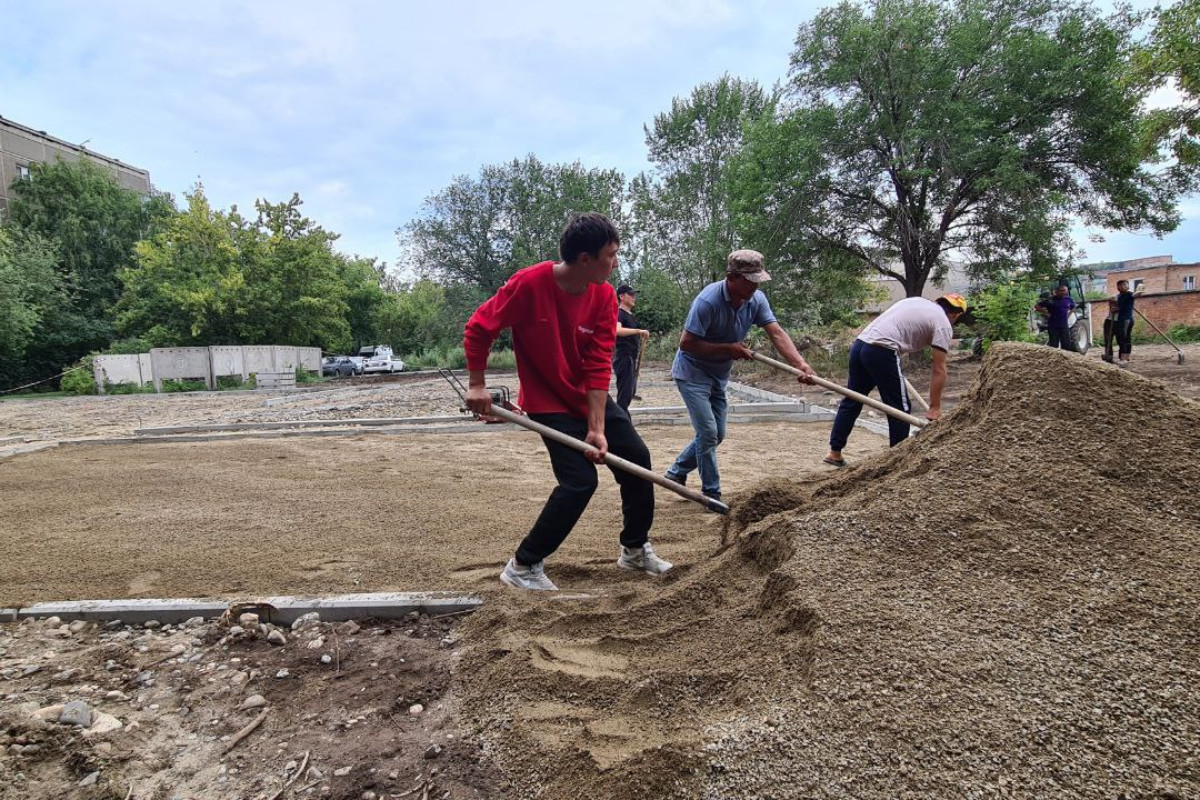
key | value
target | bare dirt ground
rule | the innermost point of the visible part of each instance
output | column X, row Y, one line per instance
column 1006, row 605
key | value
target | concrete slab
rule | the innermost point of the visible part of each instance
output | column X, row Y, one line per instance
column 312, row 423
column 9, row 452
column 381, row 605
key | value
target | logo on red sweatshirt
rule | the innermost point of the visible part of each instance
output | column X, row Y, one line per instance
column 588, row 331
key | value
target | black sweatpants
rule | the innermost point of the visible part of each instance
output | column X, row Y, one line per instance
column 577, row 482
column 871, row 366
column 1061, row 337
column 624, row 368
column 1124, row 332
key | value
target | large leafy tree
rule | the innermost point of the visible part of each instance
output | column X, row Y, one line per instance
column 187, row 285
column 914, row 129
column 682, row 212
column 94, row 224
column 478, row 231
column 29, row 292
column 294, row 291
column 1172, row 56
column 214, row 277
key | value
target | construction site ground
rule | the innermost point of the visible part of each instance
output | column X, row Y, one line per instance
column 948, row 619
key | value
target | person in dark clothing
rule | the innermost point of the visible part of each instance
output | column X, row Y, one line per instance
column 1123, row 326
column 1057, row 309
column 629, row 342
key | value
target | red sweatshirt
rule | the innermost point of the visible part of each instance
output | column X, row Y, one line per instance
column 564, row 343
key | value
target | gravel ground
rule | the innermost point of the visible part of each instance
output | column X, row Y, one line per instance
column 119, row 415
column 1006, row 605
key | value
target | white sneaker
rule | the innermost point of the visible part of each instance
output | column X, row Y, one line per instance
column 642, row 558
column 531, row 577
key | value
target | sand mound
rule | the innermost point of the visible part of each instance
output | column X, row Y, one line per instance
column 1006, row 602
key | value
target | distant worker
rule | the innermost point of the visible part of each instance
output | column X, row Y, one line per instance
column 1057, row 310
column 629, row 343
column 720, row 318
column 909, row 326
column 1122, row 304
column 563, row 317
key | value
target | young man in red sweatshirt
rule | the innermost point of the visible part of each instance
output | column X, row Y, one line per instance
column 563, row 317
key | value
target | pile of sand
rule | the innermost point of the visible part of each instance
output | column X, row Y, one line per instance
column 1006, row 603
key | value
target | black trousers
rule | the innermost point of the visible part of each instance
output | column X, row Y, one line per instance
column 872, row 366
column 625, row 370
column 1124, row 332
column 577, row 482
column 1061, row 337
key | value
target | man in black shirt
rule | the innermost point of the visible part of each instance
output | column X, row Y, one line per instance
column 625, row 354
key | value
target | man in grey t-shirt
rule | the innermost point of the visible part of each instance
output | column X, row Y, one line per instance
column 909, row 326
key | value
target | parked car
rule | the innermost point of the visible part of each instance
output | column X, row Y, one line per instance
column 339, row 367
column 387, row 363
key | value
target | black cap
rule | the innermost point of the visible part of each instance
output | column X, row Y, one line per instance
column 625, row 288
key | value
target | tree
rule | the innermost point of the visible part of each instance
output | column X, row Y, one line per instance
column 294, row 292
column 215, row 277
column 481, row 231
column 29, row 290
column 93, row 221
column 682, row 215
column 918, row 129
column 186, row 287
column 1172, row 56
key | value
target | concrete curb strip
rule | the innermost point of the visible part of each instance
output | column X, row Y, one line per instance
column 382, row 605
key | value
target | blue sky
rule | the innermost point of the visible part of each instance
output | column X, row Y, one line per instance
column 366, row 108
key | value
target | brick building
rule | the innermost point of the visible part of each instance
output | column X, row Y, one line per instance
column 21, row 146
column 1156, row 278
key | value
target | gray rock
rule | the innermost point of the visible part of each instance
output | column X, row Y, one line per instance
column 193, row 622
column 111, row 666
column 52, row 622
column 433, row 751
column 283, row 673
column 415, row 709
column 304, row 620
column 326, row 659
column 341, row 772
column 313, row 774
column 253, row 701
column 76, row 712
column 248, row 620
column 78, row 626
column 277, row 637
column 113, row 624
column 32, row 668
column 151, row 624
column 91, row 779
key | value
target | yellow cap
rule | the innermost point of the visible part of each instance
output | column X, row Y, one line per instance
column 955, row 301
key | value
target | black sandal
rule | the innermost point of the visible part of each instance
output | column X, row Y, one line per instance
column 834, row 462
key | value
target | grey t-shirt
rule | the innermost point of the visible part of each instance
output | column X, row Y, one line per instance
column 909, row 326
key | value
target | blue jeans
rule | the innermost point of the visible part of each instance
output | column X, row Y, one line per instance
column 707, row 406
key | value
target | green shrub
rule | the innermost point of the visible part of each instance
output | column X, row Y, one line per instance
column 1183, row 333
column 453, row 357
column 79, row 380
column 183, row 386
column 1001, row 312
column 232, row 382
column 304, row 376
column 128, row 388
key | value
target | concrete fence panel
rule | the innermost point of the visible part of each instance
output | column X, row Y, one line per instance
column 310, row 358
column 286, row 358
column 226, row 360
column 110, row 369
column 258, row 358
column 180, row 363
